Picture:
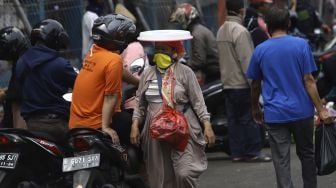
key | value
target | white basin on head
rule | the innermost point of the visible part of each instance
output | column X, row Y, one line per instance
column 164, row 35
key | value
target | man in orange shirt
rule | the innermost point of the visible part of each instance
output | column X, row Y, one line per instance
column 97, row 91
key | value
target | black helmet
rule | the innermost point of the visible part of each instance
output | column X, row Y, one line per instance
column 13, row 43
column 113, row 32
column 51, row 33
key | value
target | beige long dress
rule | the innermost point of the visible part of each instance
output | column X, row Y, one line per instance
column 166, row 167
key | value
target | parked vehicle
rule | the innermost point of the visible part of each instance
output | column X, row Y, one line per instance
column 97, row 162
column 326, row 63
column 31, row 160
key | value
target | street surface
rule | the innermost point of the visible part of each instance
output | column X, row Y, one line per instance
column 222, row 173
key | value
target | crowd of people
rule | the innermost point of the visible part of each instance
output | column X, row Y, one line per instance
column 249, row 54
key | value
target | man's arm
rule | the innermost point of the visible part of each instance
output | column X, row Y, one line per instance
column 311, row 88
column 312, row 91
column 129, row 78
column 255, row 93
column 243, row 51
column 109, row 104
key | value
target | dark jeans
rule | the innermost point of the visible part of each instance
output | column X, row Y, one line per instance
column 51, row 124
column 244, row 133
column 280, row 142
column 121, row 123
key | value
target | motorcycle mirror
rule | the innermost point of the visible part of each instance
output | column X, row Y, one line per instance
column 76, row 70
column 137, row 65
column 67, row 97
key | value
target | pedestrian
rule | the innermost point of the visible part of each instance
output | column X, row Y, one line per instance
column 135, row 61
column 96, row 98
column 44, row 77
column 328, row 13
column 281, row 69
column 204, row 54
column 310, row 19
column 166, row 166
column 235, row 49
column 254, row 21
column 13, row 43
column 94, row 9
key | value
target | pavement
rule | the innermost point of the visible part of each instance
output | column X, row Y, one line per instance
column 222, row 173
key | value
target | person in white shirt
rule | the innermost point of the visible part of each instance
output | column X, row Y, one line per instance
column 94, row 9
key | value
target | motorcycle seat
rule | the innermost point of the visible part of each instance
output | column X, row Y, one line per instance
column 23, row 132
column 86, row 131
column 27, row 133
column 44, row 136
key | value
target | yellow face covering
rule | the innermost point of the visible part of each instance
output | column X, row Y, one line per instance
column 163, row 61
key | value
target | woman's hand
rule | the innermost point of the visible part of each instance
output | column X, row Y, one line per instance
column 135, row 133
column 113, row 134
column 209, row 134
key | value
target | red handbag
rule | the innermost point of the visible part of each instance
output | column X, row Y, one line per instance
column 169, row 125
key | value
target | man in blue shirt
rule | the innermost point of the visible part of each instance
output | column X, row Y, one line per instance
column 284, row 65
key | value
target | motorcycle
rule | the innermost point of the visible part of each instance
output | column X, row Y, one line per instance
column 325, row 62
column 31, row 160
column 97, row 162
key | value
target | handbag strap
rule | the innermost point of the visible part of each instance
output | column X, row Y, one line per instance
column 159, row 80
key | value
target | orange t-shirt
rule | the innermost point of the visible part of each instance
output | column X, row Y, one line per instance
column 100, row 75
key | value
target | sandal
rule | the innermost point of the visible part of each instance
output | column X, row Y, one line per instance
column 259, row 158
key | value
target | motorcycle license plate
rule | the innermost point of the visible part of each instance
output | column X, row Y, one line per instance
column 8, row 160
column 81, row 162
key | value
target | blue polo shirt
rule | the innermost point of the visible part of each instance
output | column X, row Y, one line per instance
column 281, row 64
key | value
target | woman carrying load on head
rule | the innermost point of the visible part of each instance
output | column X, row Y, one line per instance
column 166, row 166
